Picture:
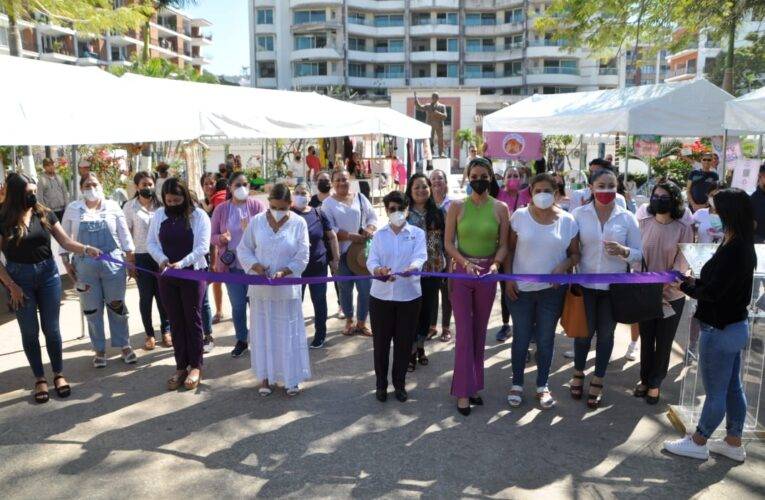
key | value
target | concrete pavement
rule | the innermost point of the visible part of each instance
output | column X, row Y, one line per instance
column 121, row 434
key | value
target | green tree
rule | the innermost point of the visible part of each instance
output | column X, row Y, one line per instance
column 748, row 67
column 161, row 68
column 148, row 15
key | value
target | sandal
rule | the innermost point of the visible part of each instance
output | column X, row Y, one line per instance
column 41, row 396
column 576, row 390
column 640, row 391
column 349, row 330
column 593, row 400
column 192, row 383
column 412, row 362
column 149, row 344
column 174, row 382
column 421, row 358
column 432, row 333
column 265, row 391
column 63, row 390
column 129, row 357
column 446, row 335
column 545, row 399
column 363, row 331
column 167, row 340
column 217, row 318
column 515, row 397
column 292, row 391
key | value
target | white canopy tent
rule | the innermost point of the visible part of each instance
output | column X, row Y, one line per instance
column 670, row 109
column 746, row 114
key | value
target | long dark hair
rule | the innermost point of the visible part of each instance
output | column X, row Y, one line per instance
column 481, row 162
column 12, row 210
column 434, row 218
column 137, row 178
column 678, row 207
column 175, row 186
column 597, row 175
column 735, row 210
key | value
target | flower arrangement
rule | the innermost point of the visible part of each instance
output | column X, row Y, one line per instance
column 105, row 166
column 63, row 169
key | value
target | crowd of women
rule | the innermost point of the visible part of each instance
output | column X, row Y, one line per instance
column 513, row 225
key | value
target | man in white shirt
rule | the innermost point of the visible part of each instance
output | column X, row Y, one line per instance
column 395, row 301
column 582, row 196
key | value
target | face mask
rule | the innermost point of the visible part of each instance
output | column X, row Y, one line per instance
column 173, row 210
column 480, row 185
column 543, row 200
column 605, row 197
column 146, row 193
column 513, row 184
column 241, row 193
column 324, row 186
column 30, row 200
column 661, row 205
column 278, row 215
column 397, row 219
column 716, row 222
column 91, row 194
column 300, row 201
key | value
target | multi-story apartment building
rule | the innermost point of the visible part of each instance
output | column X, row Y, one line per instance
column 173, row 35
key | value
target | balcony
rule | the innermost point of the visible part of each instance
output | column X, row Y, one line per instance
column 377, row 57
column 58, row 55
column 166, row 52
column 123, row 40
column 201, row 40
column 610, row 80
column 315, row 3
column 537, row 76
column 54, row 30
column 376, row 5
column 493, row 29
column 434, row 82
column 165, row 29
column 376, row 82
column 434, row 30
column 88, row 58
column 310, row 26
column 508, row 3
column 375, row 31
column 434, row 55
column 199, row 60
column 265, row 55
column 479, row 5
column 608, row 71
column 316, row 81
column 120, row 62
column 266, row 83
column 323, row 53
column 434, row 4
column 680, row 74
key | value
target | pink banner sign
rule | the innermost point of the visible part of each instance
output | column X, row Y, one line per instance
column 514, row 145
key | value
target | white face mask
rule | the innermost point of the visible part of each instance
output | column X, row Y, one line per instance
column 543, row 200
column 397, row 219
column 92, row 194
column 278, row 214
column 300, row 201
column 241, row 193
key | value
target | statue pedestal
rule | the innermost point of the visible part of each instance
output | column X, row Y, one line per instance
column 444, row 164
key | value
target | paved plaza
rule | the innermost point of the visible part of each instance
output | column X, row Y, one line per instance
column 121, row 434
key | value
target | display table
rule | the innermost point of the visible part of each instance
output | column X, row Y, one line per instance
column 685, row 415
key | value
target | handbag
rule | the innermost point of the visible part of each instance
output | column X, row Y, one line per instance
column 574, row 317
column 633, row 303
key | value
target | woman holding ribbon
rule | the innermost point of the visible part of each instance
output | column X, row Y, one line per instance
column 179, row 239
column 476, row 233
column 321, row 254
column 98, row 222
column 424, row 214
column 229, row 221
column 138, row 214
column 610, row 239
column 32, row 279
column 543, row 240
column 440, row 188
column 276, row 245
column 663, row 229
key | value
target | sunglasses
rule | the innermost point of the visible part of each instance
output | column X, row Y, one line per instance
column 393, row 208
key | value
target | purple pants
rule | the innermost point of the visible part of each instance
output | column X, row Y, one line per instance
column 471, row 303
column 183, row 303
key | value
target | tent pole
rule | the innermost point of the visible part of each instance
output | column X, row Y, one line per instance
column 721, row 171
column 627, row 155
column 759, row 151
column 75, row 190
column 13, row 158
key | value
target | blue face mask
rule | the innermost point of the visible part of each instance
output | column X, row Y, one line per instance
column 715, row 222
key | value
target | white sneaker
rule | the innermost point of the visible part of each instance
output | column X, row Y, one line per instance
column 568, row 354
column 687, row 448
column 632, row 352
column 720, row 447
column 208, row 345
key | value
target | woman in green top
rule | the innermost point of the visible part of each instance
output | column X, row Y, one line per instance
column 475, row 238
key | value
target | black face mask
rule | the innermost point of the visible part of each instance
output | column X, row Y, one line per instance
column 661, row 205
column 480, row 185
column 173, row 210
column 324, row 186
column 30, row 200
column 146, row 193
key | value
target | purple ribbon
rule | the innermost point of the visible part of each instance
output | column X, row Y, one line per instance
column 559, row 279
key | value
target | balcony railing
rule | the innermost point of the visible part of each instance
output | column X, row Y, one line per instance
column 548, row 43
column 554, row 70
column 389, row 74
column 481, row 48
column 608, row 71
column 481, row 74
column 513, row 45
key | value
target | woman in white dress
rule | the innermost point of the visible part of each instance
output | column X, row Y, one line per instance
column 275, row 244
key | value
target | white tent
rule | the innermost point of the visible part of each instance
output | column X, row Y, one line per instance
column 670, row 109
column 747, row 113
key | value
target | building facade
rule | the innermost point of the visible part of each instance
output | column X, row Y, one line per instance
column 173, row 35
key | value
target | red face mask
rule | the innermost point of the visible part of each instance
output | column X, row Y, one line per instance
column 605, row 197
column 513, row 184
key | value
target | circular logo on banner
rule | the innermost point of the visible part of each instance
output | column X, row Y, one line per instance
column 513, row 144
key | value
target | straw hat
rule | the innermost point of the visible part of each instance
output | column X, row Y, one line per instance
column 357, row 259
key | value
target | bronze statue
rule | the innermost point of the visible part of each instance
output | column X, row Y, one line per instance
column 435, row 115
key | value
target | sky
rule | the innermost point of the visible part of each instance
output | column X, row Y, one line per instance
column 230, row 49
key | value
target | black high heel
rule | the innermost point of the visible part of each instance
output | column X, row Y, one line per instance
column 593, row 400
column 421, row 358
column 476, row 401
column 652, row 400
column 464, row 411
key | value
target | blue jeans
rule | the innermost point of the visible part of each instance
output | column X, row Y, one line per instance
column 535, row 315
column 319, row 300
column 600, row 320
column 148, row 292
column 105, row 286
column 237, row 295
column 206, row 314
column 720, row 367
column 42, row 291
column 346, row 292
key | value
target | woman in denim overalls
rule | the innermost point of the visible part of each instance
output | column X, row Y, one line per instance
column 100, row 223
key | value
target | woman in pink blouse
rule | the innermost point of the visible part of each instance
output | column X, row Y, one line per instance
column 663, row 228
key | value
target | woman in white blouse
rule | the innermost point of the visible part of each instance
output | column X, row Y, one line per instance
column 138, row 214
column 275, row 244
column 179, row 238
column 100, row 223
column 610, row 239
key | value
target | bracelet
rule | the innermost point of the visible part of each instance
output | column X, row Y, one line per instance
column 85, row 249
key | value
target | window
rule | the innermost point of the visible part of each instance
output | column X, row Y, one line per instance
column 446, row 18
column 310, row 42
column 480, row 45
column 447, row 45
column 311, row 69
column 389, row 20
column 309, row 16
column 479, row 71
column 476, row 19
column 421, row 70
column 420, row 45
column 558, row 90
column 561, row 67
column 357, row 18
column 514, row 16
column 512, row 91
column 265, row 43
column 357, row 69
column 357, row 44
column 514, row 42
column 267, row 69
column 389, row 46
column 446, row 70
column 420, row 18
column 488, row 91
column 389, row 71
column 513, row 68
column 265, row 16
column 3, row 36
